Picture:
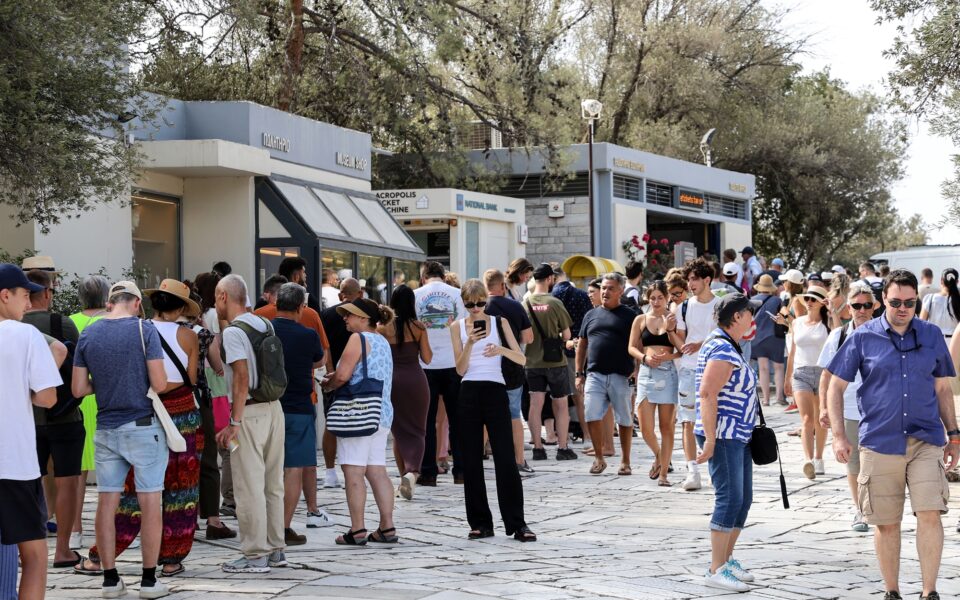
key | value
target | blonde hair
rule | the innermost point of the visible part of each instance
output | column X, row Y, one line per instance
column 451, row 278
column 473, row 290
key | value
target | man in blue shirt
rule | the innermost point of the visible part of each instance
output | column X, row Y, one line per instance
column 906, row 402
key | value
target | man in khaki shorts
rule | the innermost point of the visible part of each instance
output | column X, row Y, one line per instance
column 905, row 402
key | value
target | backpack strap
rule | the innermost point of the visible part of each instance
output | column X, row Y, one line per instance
column 683, row 311
column 174, row 359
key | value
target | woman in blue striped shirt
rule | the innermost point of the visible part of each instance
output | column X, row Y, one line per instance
column 726, row 415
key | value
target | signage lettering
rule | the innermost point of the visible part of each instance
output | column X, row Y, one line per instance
column 690, row 200
column 351, row 162
column 383, row 195
column 480, row 205
column 275, row 142
column 738, row 187
column 629, row 164
column 393, row 205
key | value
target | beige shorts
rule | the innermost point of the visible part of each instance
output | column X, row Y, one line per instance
column 885, row 478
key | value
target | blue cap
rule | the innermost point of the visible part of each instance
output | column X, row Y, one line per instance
column 12, row 276
column 778, row 261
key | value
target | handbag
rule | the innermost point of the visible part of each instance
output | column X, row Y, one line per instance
column 513, row 374
column 355, row 411
column 764, row 449
column 552, row 346
column 175, row 441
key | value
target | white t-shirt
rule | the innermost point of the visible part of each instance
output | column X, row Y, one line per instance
column 211, row 321
column 237, row 346
column 850, row 409
column 938, row 309
column 330, row 296
column 26, row 365
column 751, row 270
column 438, row 305
column 698, row 325
column 809, row 339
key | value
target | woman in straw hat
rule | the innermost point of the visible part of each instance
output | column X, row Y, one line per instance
column 181, row 486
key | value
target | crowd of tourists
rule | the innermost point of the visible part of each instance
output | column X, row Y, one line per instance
column 190, row 402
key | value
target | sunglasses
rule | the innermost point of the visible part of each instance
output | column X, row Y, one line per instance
column 676, row 294
column 480, row 304
column 897, row 303
column 861, row 306
column 808, row 300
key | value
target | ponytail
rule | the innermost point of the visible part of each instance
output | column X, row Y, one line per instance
column 386, row 315
column 949, row 279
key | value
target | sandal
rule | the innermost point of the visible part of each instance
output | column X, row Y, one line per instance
column 384, row 536
column 443, row 466
column 624, row 470
column 81, row 568
column 664, row 483
column 597, row 468
column 477, row 534
column 63, row 564
column 590, row 451
column 350, row 538
column 524, row 535
column 177, row 571
column 654, row 471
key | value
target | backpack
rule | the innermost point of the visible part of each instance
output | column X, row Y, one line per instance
column 66, row 402
column 877, row 288
column 630, row 302
column 268, row 352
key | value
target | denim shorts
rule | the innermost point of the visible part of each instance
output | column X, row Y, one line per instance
column 515, row 398
column 658, row 386
column 806, row 379
column 601, row 391
column 143, row 447
column 731, row 473
column 687, row 394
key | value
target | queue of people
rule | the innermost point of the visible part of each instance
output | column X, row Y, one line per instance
column 210, row 408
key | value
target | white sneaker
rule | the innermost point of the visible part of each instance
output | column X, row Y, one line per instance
column 859, row 524
column 246, row 565
column 692, row 482
column 76, row 540
column 818, row 467
column 277, row 559
column 809, row 470
column 114, row 591
column 407, row 484
column 157, row 590
column 724, row 580
column 318, row 519
column 737, row 570
column 330, row 482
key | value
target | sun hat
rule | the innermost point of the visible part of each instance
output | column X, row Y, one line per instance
column 815, row 291
column 357, row 308
column 793, row 276
column 765, row 285
column 39, row 263
column 180, row 290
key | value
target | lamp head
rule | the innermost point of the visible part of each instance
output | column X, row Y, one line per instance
column 590, row 109
column 708, row 137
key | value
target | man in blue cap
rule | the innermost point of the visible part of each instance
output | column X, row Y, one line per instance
column 30, row 377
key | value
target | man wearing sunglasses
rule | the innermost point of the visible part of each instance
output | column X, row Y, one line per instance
column 905, row 404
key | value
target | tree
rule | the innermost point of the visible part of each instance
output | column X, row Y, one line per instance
column 63, row 83
column 926, row 81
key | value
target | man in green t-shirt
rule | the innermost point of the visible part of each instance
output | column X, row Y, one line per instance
column 546, row 363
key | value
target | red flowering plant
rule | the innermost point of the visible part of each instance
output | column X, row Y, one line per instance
column 655, row 254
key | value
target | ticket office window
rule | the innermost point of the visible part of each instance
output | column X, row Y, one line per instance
column 270, row 259
column 156, row 238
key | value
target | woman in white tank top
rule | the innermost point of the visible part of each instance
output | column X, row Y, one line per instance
column 480, row 344
column 809, row 334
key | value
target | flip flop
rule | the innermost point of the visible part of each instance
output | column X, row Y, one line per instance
column 63, row 564
column 589, row 452
column 598, row 468
column 624, row 470
column 79, row 569
column 654, row 471
column 177, row 571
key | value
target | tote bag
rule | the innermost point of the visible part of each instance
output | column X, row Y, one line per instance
column 175, row 441
column 355, row 411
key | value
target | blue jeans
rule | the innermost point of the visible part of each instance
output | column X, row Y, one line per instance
column 731, row 472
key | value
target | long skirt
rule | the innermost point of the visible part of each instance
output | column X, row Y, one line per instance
column 181, row 487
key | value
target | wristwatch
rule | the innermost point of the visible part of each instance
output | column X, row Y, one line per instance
column 234, row 423
column 953, row 433
column 581, row 374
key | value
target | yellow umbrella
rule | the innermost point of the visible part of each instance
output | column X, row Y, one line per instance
column 581, row 268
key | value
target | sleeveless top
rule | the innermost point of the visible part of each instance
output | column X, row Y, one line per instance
column 168, row 331
column 482, row 368
column 379, row 366
column 648, row 338
column 940, row 313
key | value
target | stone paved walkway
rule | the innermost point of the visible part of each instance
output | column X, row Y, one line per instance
column 600, row 537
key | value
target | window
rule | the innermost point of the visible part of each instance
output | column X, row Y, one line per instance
column 409, row 269
column 156, row 238
column 659, row 194
column 727, row 207
column 627, row 188
column 338, row 260
column 373, row 278
column 270, row 259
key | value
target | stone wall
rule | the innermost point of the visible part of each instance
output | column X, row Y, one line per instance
column 554, row 239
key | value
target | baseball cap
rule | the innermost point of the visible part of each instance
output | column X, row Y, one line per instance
column 779, row 262
column 793, row 276
column 748, row 250
column 731, row 304
column 731, row 269
column 838, row 269
column 543, row 271
column 12, row 277
column 827, row 275
column 125, row 287
column 814, row 277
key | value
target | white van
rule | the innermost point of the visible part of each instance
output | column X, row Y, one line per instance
column 915, row 259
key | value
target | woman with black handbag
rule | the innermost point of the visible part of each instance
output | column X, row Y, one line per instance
column 479, row 350
column 726, row 416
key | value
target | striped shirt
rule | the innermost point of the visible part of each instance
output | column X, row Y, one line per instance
column 737, row 400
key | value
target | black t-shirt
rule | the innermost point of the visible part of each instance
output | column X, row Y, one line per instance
column 336, row 330
column 608, row 335
column 313, row 301
column 301, row 349
column 512, row 311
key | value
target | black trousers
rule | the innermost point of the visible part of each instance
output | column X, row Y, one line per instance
column 209, row 469
column 484, row 403
column 446, row 383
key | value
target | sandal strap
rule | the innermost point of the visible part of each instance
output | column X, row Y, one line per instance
column 386, row 531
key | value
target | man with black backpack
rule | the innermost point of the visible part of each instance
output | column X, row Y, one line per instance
column 254, row 368
column 60, row 432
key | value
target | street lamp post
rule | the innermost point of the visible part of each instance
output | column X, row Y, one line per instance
column 590, row 111
column 705, row 147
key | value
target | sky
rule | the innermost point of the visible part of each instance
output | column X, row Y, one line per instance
column 845, row 37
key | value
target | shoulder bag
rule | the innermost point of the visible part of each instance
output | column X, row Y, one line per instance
column 552, row 346
column 355, row 411
column 175, row 441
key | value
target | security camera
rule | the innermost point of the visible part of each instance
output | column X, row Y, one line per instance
column 590, row 109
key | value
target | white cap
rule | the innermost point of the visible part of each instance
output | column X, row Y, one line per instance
column 838, row 269
column 827, row 275
column 793, row 276
column 731, row 269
